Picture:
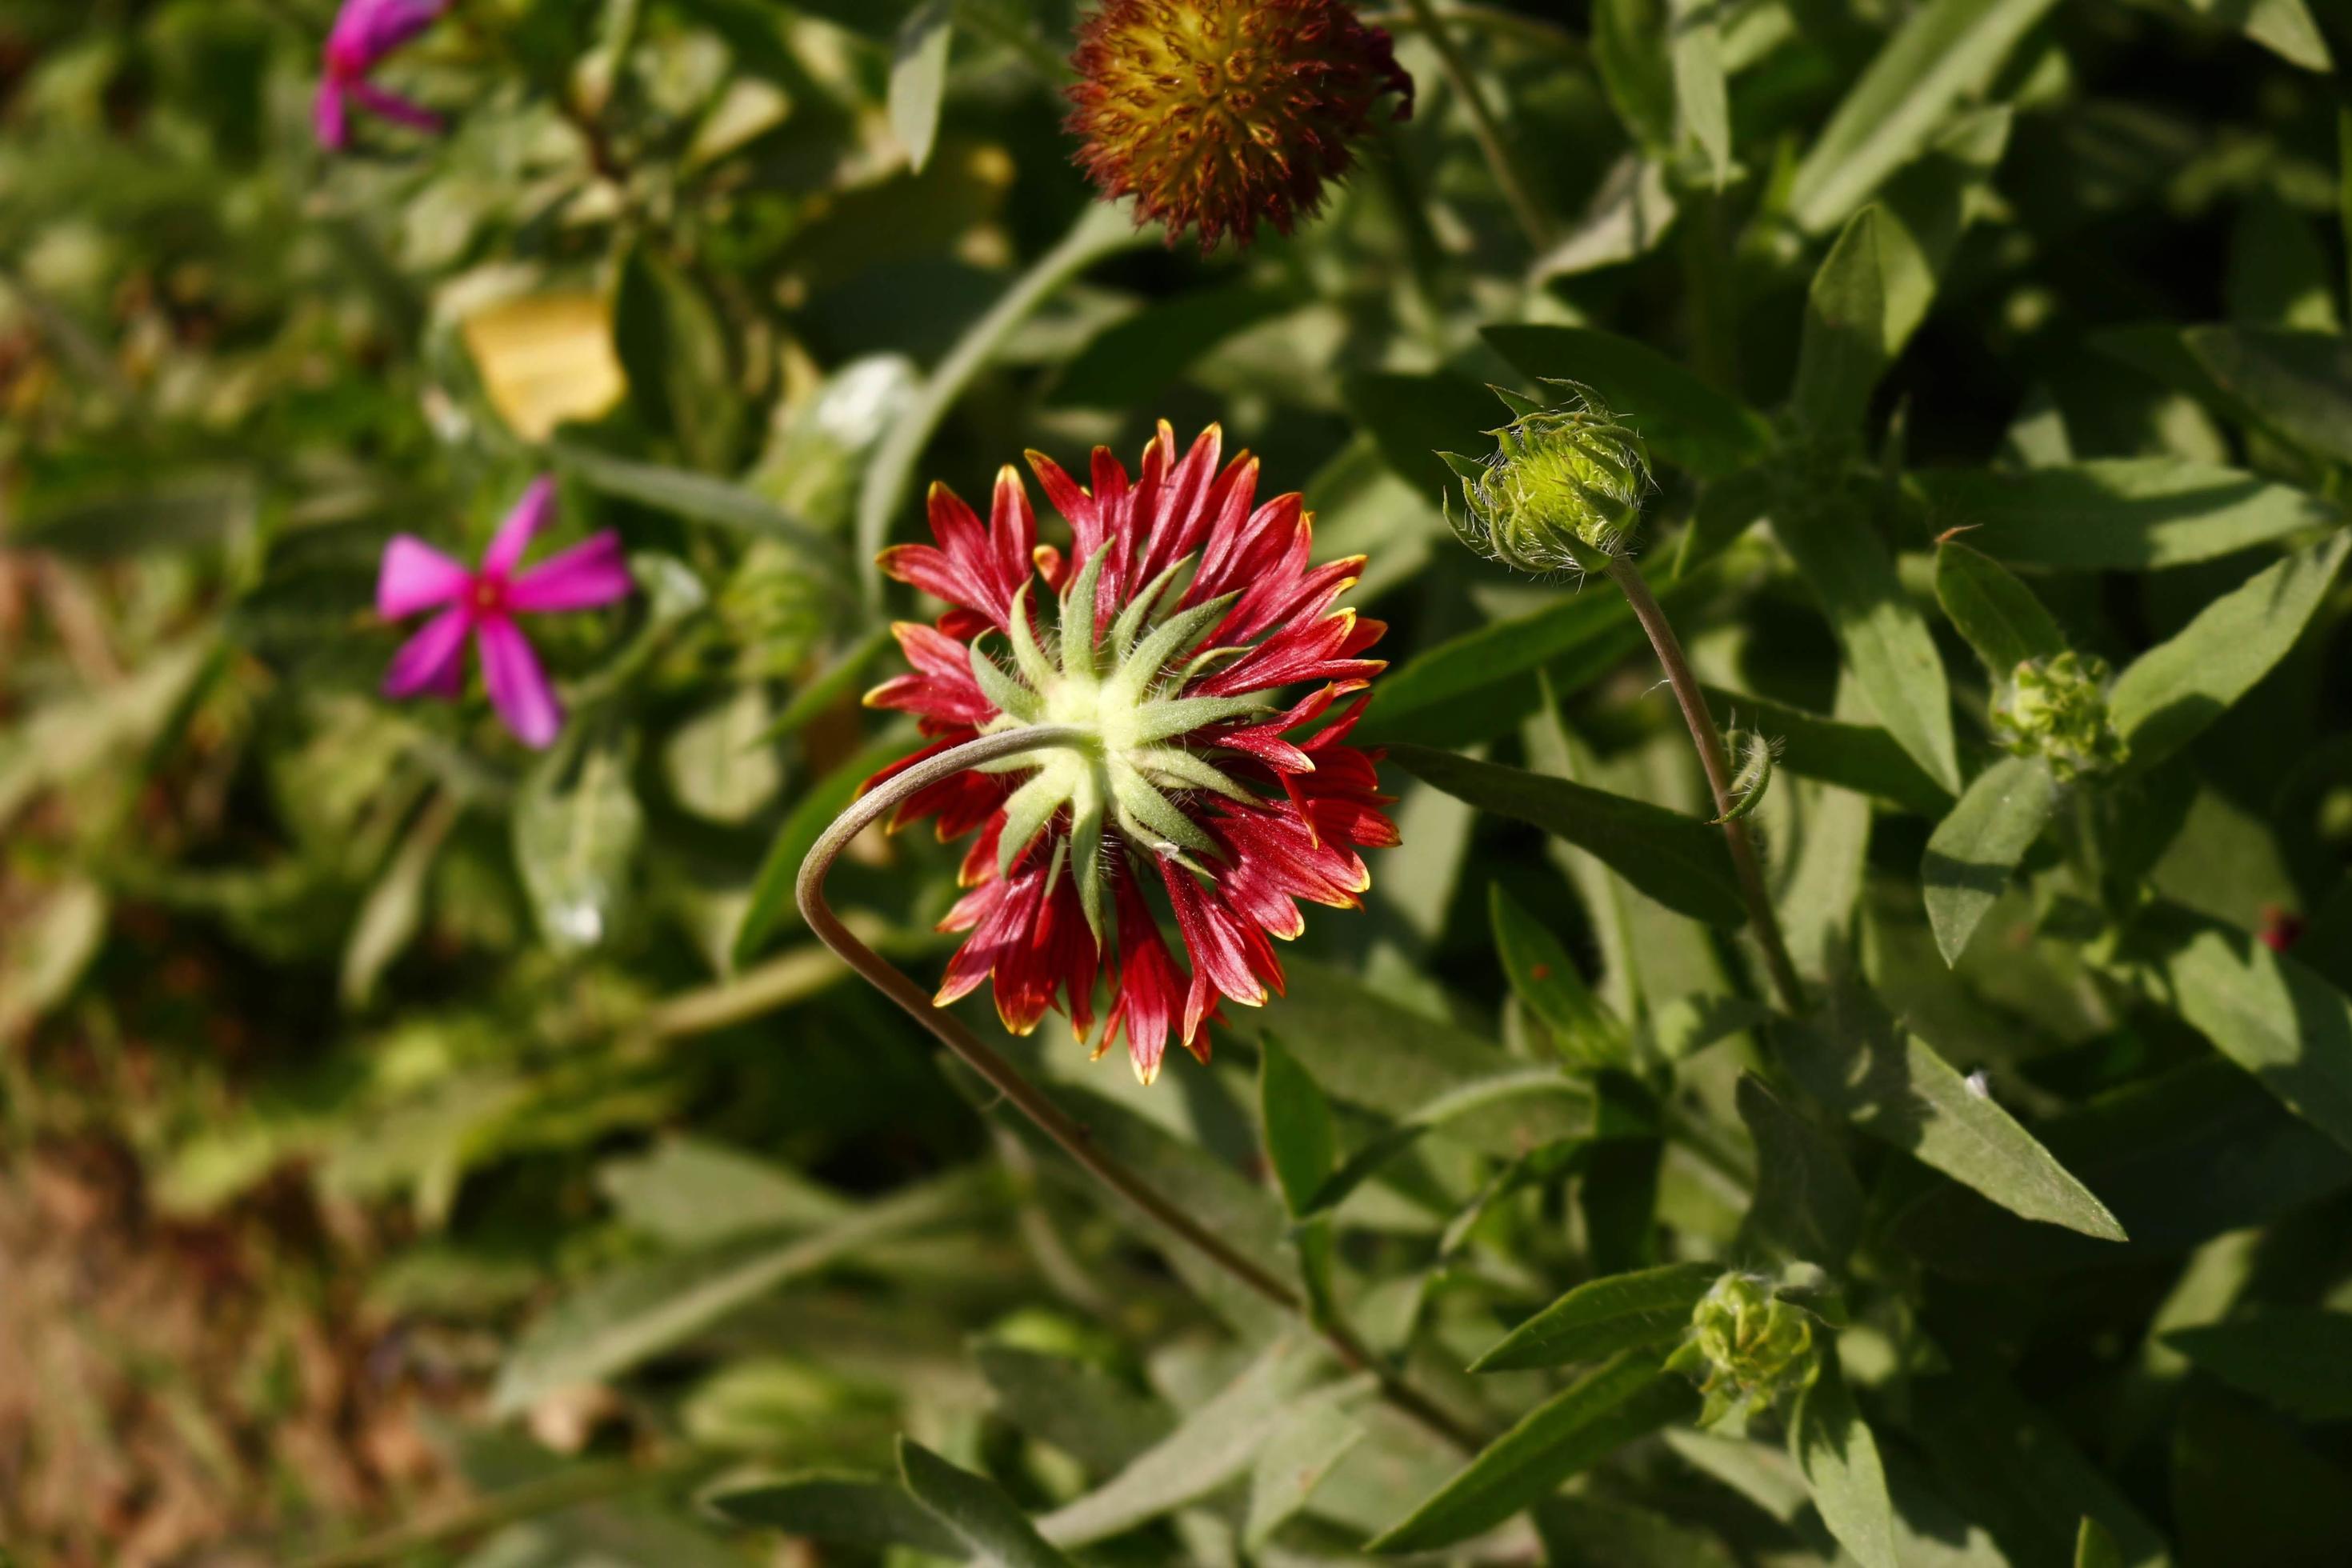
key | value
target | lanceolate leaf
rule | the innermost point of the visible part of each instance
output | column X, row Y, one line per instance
column 1887, row 647
column 2179, row 687
column 1833, row 1448
column 1299, row 1141
column 1678, row 861
column 1860, row 757
column 975, row 1510
column 1807, row 1206
column 1548, row 984
column 1602, row 1317
column 919, row 78
column 1975, row 850
column 2263, row 1010
column 2116, row 513
column 1617, row 1401
column 1997, row 614
column 2299, row 383
column 2298, row 1359
column 1947, row 51
column 1845, row 347
column 870, row 1512
column 1860, row 1063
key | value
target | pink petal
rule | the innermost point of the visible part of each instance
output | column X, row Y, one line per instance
column 519, row 688
column 580, row 578
column 522, row 525
column 429, row 660
column 416, row 576
column 329, row 119
column 394, row 107
column 367, row 30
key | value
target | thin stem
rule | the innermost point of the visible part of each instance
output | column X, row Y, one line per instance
column 1483, row 126
column 1488, row 18
column 1001, row 1075
column 1709, row 741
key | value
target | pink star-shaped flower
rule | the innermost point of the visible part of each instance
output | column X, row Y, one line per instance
column 364, row 33
column 417, row 577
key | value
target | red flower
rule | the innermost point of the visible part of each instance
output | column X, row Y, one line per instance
column 1215, row 114
column 1179, row 612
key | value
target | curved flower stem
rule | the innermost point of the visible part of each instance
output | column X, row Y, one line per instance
column 1072, row 1135
column 1483, row 126
column 1709, row 741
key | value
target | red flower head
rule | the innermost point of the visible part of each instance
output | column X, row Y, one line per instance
column 1216, row 113
column 1179, row 615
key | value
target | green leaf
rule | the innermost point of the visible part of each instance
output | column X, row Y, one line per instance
column 2118, row 514
column 1596, row 1533
column 2175, row 688
column 183, row 511
column 1860, row 757
column 1412, row 418
column 1463, row 1099
column 718, row 761
column 2263, row 1010
column 773, row 908
column 683, row 493
column 850, row 1509
column 641, row 1310
column 1807, row 1206
column 1887, row 647
column 2298, row 384
column 576, row 827
column 1299, row 1140
column 676, row 354
column 1711, row 433
column 1926, row 207
column 1946, row 52
column 1628, row 52
column 1861, row 1064
column 1845, row 347
column 1307, row 1445
column 1702, row 102
column 52, row 940
column 975, row 1510
column 1602, row 1317
column 1975, row 850
column 689, row 1193
column 1211, row 1446
column 1082, row 1411
column 1611, row 1405
column 1133, row 359
column 395, row 905
column 1999, row 616
column 1548, row 984
column 2095, row 1548
column 1833, row 1448
column 2298, row 1359
column 919, row 78
column 2181, row 1158
column 1678, row 861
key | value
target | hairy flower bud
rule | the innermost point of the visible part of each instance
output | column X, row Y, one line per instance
column 2057, row 708
column 1215, row 114
column 1565, row 484
column 1754, row 1346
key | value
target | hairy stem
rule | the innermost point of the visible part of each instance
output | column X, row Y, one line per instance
column 1070, row 1134
column 1482, row 125
column 1709, row 741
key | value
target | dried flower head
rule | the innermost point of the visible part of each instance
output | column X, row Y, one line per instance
column 1754, row 1347
column 1215, row 114
column 1565, row 484
column 1165, row 637
column 2056, row 708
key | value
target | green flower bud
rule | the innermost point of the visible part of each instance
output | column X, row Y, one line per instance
column 1563, row 489
column 2057, row 708
column 1754, row 1346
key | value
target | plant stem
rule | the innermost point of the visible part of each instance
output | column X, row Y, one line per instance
column 1709, row 741
column 1491, row 18
column 1071, row 1135
column 1483, row 126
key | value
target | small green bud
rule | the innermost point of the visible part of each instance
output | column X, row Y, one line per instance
column 1563, row 487
column 2057, row 708
column 1754, row 1346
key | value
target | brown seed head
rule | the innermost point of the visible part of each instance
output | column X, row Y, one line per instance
column 1215, row 114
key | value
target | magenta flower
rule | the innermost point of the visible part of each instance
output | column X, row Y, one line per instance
column 417, row 577
column 366, row 32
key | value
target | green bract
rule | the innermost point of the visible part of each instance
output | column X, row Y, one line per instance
column 1119, row 688
column 2056, row 708
column 1565, row 485
column 1754, row 1346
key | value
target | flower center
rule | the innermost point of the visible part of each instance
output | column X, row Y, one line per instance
column 486, row 597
